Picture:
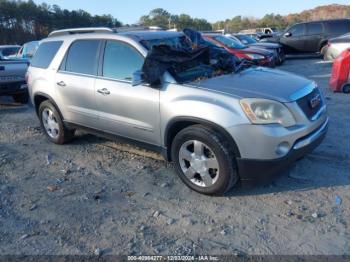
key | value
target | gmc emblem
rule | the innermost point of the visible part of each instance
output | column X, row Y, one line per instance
column 315, row 101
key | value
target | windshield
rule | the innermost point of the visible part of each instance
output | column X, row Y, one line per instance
column 181, row 42
column 9, row 51
column 229, row 42
column 185, row 61
column 246, row 39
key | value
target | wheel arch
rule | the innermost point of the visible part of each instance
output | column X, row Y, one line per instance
column 179, row 123
column 41, row 97
column 322, row 44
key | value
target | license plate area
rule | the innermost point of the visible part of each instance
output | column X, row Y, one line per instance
column 11, row 78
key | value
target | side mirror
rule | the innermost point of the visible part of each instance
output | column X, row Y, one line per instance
column 288, row 34
column 137, row 78
column 245, row 42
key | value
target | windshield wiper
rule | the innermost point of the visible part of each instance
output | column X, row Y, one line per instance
column 245, row 64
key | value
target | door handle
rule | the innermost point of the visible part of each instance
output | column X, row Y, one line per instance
column 61, row 83
column 104, row 91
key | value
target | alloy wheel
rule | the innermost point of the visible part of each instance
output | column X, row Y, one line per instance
column 199, row 163
column 50, row 123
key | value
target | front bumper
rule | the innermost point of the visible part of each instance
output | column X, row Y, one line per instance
column 268, row 62
column 253, row 169
column 16, row 88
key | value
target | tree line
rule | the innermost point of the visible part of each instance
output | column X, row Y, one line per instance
column 23, row 21
column 239, row 23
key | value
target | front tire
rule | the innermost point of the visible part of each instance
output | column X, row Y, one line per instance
column 346, row 89
column 52, row 124
column 281, row 58
column 204, row 161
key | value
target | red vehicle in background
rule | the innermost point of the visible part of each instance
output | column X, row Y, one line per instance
column 340, row 79
column 259, row 56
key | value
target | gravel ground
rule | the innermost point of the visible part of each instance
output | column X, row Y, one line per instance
column 93, row 197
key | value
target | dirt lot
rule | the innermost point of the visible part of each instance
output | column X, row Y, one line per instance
column 87, row 197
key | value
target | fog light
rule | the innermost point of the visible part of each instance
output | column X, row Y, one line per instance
column 283, row 149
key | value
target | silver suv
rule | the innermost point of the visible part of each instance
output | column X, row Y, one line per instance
column 216, row 129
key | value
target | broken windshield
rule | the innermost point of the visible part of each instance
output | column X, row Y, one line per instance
column 186, row 64
column 179, row 42
column 186, row 57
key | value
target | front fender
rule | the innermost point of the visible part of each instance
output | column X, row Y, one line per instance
column 181, row 102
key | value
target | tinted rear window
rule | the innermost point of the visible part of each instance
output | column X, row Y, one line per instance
column 45, row 54
column 82, row 57
column 339, row 27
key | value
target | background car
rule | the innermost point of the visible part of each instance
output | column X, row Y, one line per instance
column 259, row 56
column 252, row 42
column 336, row 46
column 311, row 37
column 28, row 50
column 265, row 30
column 8, row 50
column 12, row 79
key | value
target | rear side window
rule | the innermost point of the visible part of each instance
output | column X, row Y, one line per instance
column 315, row 29
column 121, row 61
column 45, row 54
column 339, row 27
column 82, row 57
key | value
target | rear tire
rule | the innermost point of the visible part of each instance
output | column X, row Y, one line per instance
column 21, row 98
column 346, row 89
column 52, row 124
column 204, row 161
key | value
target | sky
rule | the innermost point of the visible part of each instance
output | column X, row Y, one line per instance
column 129, row 11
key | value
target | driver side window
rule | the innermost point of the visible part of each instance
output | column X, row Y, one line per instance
column 297, row 30
column 121, row 61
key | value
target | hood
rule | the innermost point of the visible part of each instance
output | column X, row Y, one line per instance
column 343, row 39
column 275, row 40
column 266, row 45
column 260, row 82
column 256, row 50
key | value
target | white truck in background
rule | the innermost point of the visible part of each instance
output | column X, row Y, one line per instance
column 12, row 79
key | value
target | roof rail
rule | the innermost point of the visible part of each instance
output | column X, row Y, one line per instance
column 124, row 29
column 84, row 30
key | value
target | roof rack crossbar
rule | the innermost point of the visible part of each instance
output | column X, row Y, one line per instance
column 85, row 30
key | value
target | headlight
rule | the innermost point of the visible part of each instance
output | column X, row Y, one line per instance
column 264, row 111
column 255, row 56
